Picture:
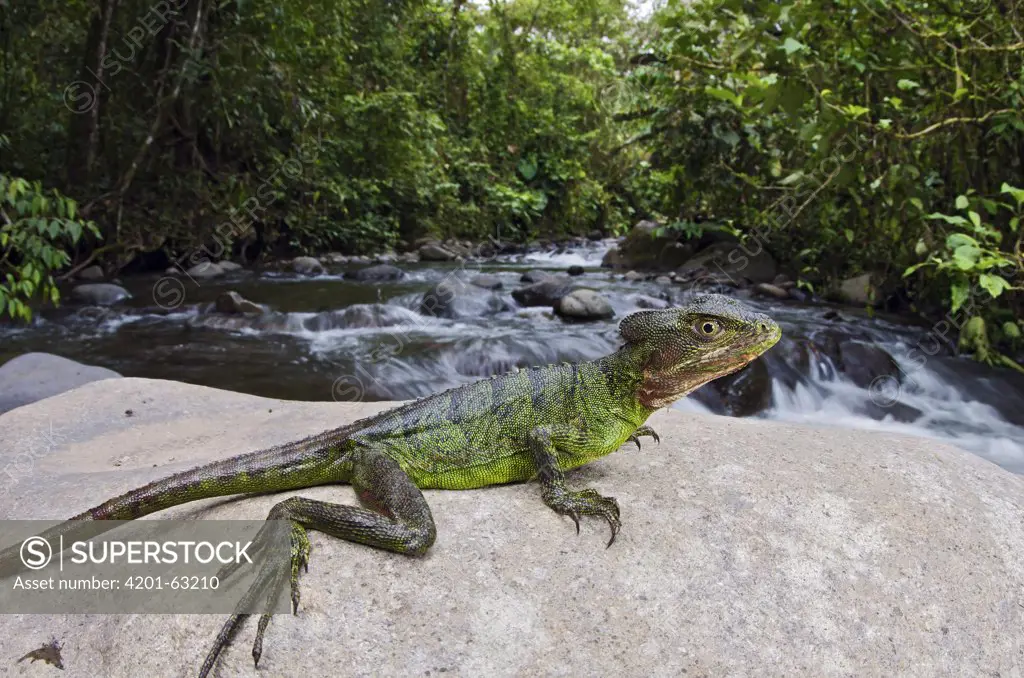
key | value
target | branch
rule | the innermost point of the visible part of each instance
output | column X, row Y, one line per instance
column 949, row 122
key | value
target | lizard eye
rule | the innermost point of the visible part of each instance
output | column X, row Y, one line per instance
column 708, row 328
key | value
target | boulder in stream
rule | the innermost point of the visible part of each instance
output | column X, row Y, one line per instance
column 307, row 266
column 34, row 376
column 435, row 251
column 820, row 551
column 453, row 298
column 100, row 294
column 205, row 270
column 544, row 293
column 378, row 273
column 92, row 273
column 232, row 302
column 584, row 304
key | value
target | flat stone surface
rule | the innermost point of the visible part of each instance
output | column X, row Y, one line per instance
column 33, row 376
column 747, row 548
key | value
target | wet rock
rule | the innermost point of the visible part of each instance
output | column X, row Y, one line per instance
column 740, row 394
column 100, row 294
column 233, row 303
column 435, row 251
column 205, row 270
column 575, row 271
column 359, row 259
column 378, row 273
column 898, row 411
column 307, row 266
column 457, row 299
column 544, row 293
column 644, row 301
column 487, row 281
column 228, row 266
column 463, row 249
column 632, row 276
column 864, row 363
column 385, row 258
column 334, row 258
column 613, row 259
column 663, row 280
column 594, row 236
column 536, row 275
column 34, row 376
column 733, row 262
column 858, row 291
column 584, row 304
column 641, row 248
column 91, row 274
column 771, row 290
column 797, row 294
column 409, row 258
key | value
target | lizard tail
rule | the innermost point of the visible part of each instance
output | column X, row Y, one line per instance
column 303, row 463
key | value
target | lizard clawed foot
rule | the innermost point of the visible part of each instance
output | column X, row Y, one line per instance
column 643, row 431
column 584, row 503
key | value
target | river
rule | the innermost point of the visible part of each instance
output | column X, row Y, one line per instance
column 328, row 337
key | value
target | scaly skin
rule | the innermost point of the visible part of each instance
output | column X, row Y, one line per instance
column 533, row 423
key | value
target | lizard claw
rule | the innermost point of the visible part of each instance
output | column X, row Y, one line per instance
column 643, row 431
column 587, row 503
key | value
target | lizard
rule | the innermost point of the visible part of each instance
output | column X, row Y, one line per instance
column 533, row 423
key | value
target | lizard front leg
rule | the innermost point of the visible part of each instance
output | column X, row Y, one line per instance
column 544, row 443
column 398, row 520
column 643, row 431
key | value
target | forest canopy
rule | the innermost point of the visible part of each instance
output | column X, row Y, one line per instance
column 846, row 137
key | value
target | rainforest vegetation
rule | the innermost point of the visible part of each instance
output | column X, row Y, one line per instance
column 843, row 136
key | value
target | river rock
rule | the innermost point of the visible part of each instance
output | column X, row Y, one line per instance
column 487, row 281
column 663, row 280
column 434, row 251
column 334, row 258
column 228, row 266
column 642, row 249
column 92, row 273
column 733, row 262
column 454, row 298
column 770, row 290
column 745, row 544
column 536, row 275
column 644, row 301
column 307, row 266
column 34, row 376
column 858, row 291
column 544, row 293
column 232, row 302
column 100, row 294
column 575, row 271
column 205, row 270
column 613, row 259
column 741, row 394
column 409, row 258
column 378, row 273
column 632, row 276
column 864, row 363
column 584, row 304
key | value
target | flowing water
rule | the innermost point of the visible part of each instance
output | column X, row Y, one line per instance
column 331, row 338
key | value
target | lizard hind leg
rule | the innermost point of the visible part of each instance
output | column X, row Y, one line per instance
column 399, row 521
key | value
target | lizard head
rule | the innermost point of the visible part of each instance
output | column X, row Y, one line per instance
column 680, row 349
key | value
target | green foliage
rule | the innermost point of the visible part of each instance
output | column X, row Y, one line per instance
column 36, row 227
column 841, row 132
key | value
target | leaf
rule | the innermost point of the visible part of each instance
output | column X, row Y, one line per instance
column 789, row 45
column 856, row 111
column 958, row 294
column 905, row 84
column 966, row 256
column 1017, row 193
column 975, row 219
column 955, row 220
column 724, row 95
column 994, row 284
column 961, row 202
column 527, row 168
column 921, row 248
column 911, row 269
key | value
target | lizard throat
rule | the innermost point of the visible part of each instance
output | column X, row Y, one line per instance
column 660, row 389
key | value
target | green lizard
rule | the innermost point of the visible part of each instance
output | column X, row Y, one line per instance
column 532, row 423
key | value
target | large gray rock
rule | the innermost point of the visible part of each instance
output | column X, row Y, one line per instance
column 453, row 298
column 378, row 273
column 232, row 303
column 92, row 273
column 747, row 548
column 584, row 304
column 34, row 376
column 732, row 263
column 205, row 270
column 100, row 294
column 307, row 266
column 544, row 293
